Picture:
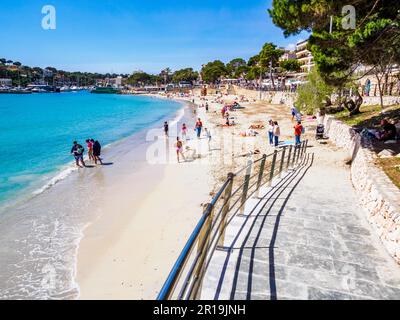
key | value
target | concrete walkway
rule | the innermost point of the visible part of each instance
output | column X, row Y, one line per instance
column 305, row 239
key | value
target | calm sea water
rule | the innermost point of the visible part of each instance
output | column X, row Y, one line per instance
column 41, row 228
column 37, row 130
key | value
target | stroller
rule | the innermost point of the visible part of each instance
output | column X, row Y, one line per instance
column 319, row 134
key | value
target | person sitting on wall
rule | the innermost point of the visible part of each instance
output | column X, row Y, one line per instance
column 388, row 131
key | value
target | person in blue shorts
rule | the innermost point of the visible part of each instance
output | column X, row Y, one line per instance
column 77, row 150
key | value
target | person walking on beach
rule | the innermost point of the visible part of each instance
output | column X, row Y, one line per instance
column 198, row 127
column 271, row 132
column 184, row 132
column 77, row 150
column 206, row 106
column 96, row 151
column 294, row 112
column 179, row 149
column 298, row 130
column 90, row 149
column 277, row 133
column 166, row 128
column 208, row 134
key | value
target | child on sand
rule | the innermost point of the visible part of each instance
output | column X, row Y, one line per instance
column 179, row 148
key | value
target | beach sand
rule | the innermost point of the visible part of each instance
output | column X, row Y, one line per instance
column 146, row 217
column 129, row 251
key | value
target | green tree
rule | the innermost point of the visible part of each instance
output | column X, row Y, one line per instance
column 187, row 74
column 237, row 67
column 166, row 75
column 213, row 71
column 269, row 59
column 338, row 53
column 290, row 65
column 312, row 95
column 140, row 78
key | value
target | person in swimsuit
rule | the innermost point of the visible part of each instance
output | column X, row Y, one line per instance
column 166, row 128
column 90, row 149
column 179, row 149
column 77, row 150
column 184, row 132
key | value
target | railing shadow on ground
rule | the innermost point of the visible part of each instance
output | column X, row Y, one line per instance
column 295, row 178
column 185, row 279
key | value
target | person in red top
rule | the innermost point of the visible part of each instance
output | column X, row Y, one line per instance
column 199, row 126
column 298, row 130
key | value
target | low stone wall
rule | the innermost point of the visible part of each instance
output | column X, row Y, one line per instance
column 277, row 97
column 377, row 194
column 387, row 100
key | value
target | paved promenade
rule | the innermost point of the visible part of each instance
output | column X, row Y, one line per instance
column 306, row 238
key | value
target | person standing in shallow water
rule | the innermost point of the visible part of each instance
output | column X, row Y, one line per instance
column 89, row 144
column 96, row 151
column 166, row 128
column 77, row 150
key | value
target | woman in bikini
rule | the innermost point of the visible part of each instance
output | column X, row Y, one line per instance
column 184, row 132
column 179, row 149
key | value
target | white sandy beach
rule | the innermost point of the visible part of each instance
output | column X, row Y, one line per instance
column 129, row 251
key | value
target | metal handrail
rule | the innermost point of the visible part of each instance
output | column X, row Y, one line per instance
column 209, row 230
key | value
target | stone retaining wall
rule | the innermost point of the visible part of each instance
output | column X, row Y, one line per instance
column 377, row 194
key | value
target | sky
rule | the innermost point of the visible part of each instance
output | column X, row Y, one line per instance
column 122, row 36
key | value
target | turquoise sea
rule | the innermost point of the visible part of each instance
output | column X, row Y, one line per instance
column 37, row 131
column 45, row 202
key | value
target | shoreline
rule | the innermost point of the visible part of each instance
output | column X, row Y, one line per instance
column 117, row 259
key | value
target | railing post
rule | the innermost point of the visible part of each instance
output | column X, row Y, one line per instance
column 298, row 153
column 246, row 185
column 271, row 174
column 294, row 155
column 282, row 161
column 261, row 174
column 289, row 157
column 305, row 147
column 225, row 210
column 203, row 242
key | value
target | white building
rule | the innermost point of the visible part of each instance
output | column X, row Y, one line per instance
column 304, row 56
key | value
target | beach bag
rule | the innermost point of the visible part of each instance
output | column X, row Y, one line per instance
column 303, row 130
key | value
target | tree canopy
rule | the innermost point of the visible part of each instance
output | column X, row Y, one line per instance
column 212, row 71
column 290, row 65
column 337, row 54
column 187, row 74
